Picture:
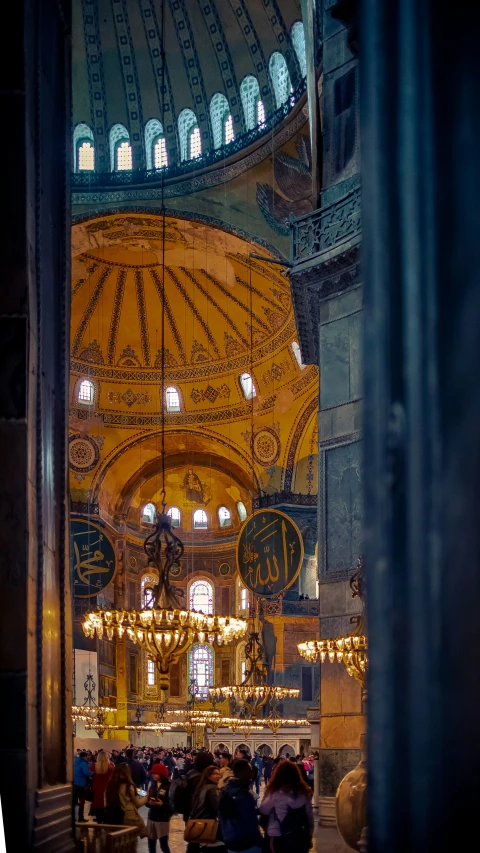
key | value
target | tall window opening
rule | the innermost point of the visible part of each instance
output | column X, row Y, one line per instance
column 172, row 399
column 224, row 517
column 150, row 672
column 195, row 143
column 280, row 77
column 200, row 521
column 250, row 95
column 86, row 392
column 148, row 513
column 120, row 148
column 261, row 116
column 155, row 145
column 200, row 669
column 187, row 122
column 148, row 583
column 201, row 597
column 175, row 516
column 298, row 39
column 248, row 386
column 83, row 148
column 298, row 355
column 221, row 120
column 242, row 511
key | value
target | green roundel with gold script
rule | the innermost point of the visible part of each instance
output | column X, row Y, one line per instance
column 269, row 552
column 92, row 558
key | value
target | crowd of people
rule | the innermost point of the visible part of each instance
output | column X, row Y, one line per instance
column 217, row 795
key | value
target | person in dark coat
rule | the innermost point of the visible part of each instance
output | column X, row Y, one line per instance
column 238, row 812
column 205, row 805
column 201, row 762
column 268, row 769
column 139, row 776
column 159, row 810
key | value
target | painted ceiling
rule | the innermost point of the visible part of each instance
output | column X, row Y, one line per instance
column 210, row 47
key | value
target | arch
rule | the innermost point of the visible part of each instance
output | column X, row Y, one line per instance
column 298, row 41
column 155, row 145
column 250, row 94
column 221, row 120
column 264, row 749
column 172, row 399
column 149, row 580
column 224, row 516
column 187, row 123
column 201, row 668
column 175, row 516
column 119, row 136
column 201, row 596
column 148, row 513
column 86, row 392
column 83, row 148
column 242, row 511
column 281, row 82
column 248, row 386
column 286, row 750
column 200, row 520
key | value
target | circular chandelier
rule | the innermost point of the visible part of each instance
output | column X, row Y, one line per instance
column 165, row 630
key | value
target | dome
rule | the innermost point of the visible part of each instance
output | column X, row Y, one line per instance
column 232, row 71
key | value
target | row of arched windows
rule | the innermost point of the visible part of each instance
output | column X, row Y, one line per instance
column 188, row 130
column 200, row 518
column 86, row 387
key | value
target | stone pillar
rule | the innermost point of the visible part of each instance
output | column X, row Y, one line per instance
column 35, row 626
column 421, row 221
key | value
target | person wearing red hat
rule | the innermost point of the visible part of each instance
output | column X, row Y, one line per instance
column 159, row 810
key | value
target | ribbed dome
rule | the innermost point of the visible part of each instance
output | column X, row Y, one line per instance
column 211, row 48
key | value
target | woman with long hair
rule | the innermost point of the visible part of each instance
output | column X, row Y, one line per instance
column 102, row 772
column 288, row 805
column 205, row 805
column 122, row 800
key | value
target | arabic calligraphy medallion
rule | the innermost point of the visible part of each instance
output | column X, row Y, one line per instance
column 269, row 552
column 92, row 558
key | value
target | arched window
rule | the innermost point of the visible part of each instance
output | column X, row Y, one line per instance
column 83, row 148
column 155, row 145
column 200, row 669
column 242, row 598
column 86, row 392
column 148, row 583
column 248, row 386
column 298, row 39
column 200, row 521
column 250, row 95
column 222, row 121
column 224, row 517
column 172, row 399
column 195, row 143
column 120, row 148
column 149, row 513
column 242, row 512
column 261, row 116
column 174, row 515
column 201, row 597
column 280, row 78
column 187, row 125
column 150, row 672
column 298, row 355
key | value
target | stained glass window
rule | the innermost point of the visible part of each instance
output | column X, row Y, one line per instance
column 175, row 516
column 248, row 386
column 298, row 39
column 224, row 517
column 172, row 398
column 86, row 392
column 148, row 513
column 200, row 669
column 200, row 521
column 201, row 597
column 280, row 78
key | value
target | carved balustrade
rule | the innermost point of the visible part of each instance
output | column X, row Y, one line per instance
column 105, row 838
column 327, row 228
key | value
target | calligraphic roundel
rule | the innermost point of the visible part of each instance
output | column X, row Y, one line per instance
column 269, row 552
column 92, row 557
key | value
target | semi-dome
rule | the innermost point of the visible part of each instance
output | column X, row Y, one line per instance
column 232, row 71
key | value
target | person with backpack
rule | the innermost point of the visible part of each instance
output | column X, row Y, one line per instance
column 159, row 809
column 288, row 805
column 238, row 812
column 122, row 800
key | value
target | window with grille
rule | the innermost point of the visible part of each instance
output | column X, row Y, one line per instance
column 201, row 597
column 86, row 392
column 243, row 598
column 229, row 134
column 200, row 521
column 160, row 159
column 155, row 146
column 195, row 143
column 298, row 355
column 242, row 512
column 248, row 386
column 148, row 583
column 219, row 117
column 187, row 120
column 172, row 398
column 150, row 672
column 224, row 517
column 148, row 513
column 261, row 117
column 280, row 78
column 83, row 148
column 298, row 39
column 200, row 669
column 174, row 515
column 124, row 156
column 250, row 93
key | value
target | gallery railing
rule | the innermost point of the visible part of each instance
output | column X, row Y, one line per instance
column 87, row 178
column 326, row 228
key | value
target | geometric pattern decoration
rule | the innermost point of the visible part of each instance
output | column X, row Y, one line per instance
column 266, row 446
column 83, row 453
column 210, row 394
column 129, row 397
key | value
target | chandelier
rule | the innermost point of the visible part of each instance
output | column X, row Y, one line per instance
column 165, row 630
column 90, row 713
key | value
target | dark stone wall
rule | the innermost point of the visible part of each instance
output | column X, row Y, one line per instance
column 35, row 629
